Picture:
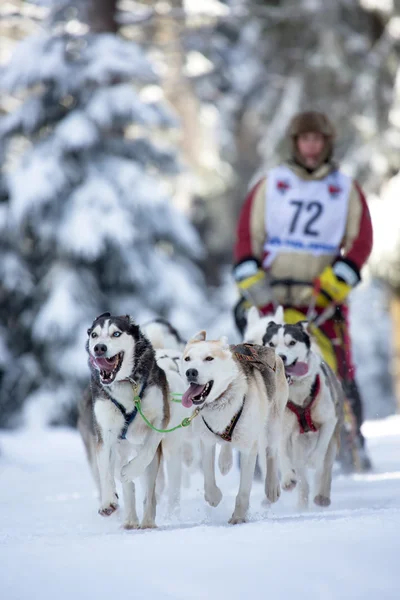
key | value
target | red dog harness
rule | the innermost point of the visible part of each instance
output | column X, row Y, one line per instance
column 303, row 413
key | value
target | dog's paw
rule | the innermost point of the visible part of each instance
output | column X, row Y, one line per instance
column 289, row 481
column 128, row 525
column 225, row 459
column 106, row 511
column 273, row 492
column 321, row 500
column 213, row 496
column 236, row 520
column 147, row 524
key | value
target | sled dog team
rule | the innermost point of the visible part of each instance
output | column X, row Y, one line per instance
column 156, row 403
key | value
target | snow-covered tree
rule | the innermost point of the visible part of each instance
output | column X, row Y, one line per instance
column 89, row 219
column 17, row 369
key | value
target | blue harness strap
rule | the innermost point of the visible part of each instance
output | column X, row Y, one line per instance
column 128, row 417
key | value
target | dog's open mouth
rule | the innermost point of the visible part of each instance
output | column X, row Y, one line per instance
column 108, row 367
column 196, row 394
column 296, row 369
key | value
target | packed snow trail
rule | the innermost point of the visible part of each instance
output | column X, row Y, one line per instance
column 54, row 545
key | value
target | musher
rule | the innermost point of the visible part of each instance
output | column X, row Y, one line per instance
column 303, row 235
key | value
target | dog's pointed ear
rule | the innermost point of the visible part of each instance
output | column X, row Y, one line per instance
column 199, row 337
column 253, row 316
column 279, row 316
column 105, row 315
column 224, row 342
column 305, row 326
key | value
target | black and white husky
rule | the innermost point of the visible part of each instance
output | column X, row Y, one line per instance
column 123, row 364
column 163, row 334
column 311, row 421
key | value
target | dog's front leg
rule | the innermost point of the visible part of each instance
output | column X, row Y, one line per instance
column 325, row 433
column 212, row 493
column 274, row 432
column 150, row 502
column 174, row 470
column 225, row 459
column 323, row 475
column 300, row 465
column 131, row 520
column 247, row 466
column 137, row 466
column 106, row 463
column 288, row 475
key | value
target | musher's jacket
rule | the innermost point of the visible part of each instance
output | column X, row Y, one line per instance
column 295, row 229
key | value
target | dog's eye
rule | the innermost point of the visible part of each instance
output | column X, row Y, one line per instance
column 116, row 334
column 292, row 343
column 187, row 358
column 93, row 335
column 209, row 358
column 271, row 345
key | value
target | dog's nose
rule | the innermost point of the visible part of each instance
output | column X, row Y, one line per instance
column 100, row 349
column 192, row 374
column 283, row 357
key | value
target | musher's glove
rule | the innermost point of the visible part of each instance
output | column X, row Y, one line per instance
column 336, row 282
column 252, row 282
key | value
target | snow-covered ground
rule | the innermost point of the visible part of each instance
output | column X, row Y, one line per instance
column 53, row 545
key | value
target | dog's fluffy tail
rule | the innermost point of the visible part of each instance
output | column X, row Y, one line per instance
column 155, row 333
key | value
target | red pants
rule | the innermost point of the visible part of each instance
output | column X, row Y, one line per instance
column 335, row 328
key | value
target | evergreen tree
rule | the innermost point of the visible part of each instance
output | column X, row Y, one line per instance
column 90, row 225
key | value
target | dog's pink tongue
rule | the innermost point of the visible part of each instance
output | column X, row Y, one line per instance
column 107, row 364
column 193, row 391
column 299, row 369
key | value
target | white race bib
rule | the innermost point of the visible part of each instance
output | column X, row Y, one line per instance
column 305, row 216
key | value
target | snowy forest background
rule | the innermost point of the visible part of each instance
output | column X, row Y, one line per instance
column 129, row 134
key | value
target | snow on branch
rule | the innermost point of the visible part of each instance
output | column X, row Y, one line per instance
column 145, row 153
column 14, row 275
column 120, row 104
column 76, row 132
column 73, row 63
column 150, row 208
column 40, row 178
column 26, row 119
column 94, row 219
column 66, row 302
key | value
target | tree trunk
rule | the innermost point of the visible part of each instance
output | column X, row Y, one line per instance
column 179, row 92
column 101, row 16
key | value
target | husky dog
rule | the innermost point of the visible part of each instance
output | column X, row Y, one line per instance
column 168, row 344
column 257, row 324
column 123, row 364
column 256, row 328
column 240, row 393
column 311, row 423
column 163, row 335
column 178, row 447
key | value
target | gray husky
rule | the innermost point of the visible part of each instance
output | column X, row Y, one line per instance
column 123, row 365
